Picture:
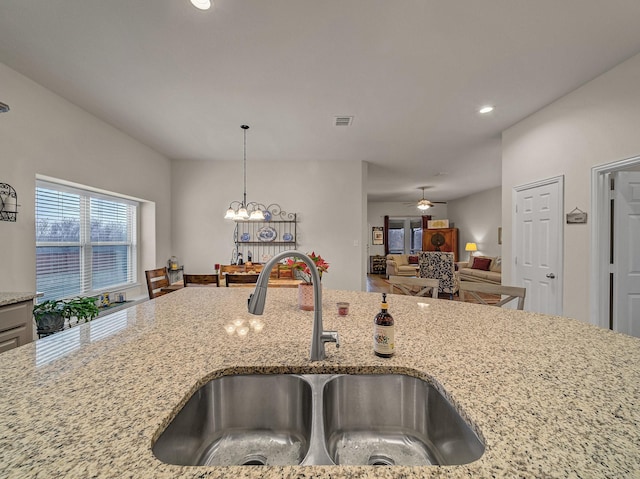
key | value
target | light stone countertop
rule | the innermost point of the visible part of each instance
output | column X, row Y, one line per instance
column 12, row 298
column 550, row 396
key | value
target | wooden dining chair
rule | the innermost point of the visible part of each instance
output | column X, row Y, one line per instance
column 413, row 286
column 200, row 280
column 498, row 290
column 156, row 280
column 241, row 278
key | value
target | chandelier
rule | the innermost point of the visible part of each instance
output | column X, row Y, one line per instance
column 241, row 210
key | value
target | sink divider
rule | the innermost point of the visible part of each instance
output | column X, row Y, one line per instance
column 317, row 454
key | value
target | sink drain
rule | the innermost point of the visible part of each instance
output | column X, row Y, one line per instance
column 254, row 460
column 380, row 460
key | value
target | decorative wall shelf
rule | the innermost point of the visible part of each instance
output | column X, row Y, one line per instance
column 259, row 241
column 8, row 203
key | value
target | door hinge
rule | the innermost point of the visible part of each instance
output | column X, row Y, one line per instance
column 612, row 188
column 516, row 260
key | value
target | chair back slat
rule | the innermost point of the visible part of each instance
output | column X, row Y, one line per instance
column 200, row 280
column 511, row 293
column 241, row 278
column 413, row 286
column 156, row 280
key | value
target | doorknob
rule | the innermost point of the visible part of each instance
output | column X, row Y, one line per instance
column 551, row 275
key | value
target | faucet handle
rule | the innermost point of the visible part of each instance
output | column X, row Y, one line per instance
column 331, row 337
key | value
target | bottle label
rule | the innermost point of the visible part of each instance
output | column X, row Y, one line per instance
column 383, row 339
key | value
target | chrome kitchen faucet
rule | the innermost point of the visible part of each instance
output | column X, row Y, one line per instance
column 318, row 336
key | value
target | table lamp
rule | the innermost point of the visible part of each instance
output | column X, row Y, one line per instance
column 471, row 247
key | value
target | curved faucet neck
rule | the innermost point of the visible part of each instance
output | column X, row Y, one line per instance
column 257, row 299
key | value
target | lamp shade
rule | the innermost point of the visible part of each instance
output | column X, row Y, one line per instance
column 257, row 215
column 241, row 214
column 230, row 214
column 471, row 247
column 201, row 4
column 424, row 204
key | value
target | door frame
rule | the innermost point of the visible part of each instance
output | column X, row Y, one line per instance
column 600, row 237
column 559, row 240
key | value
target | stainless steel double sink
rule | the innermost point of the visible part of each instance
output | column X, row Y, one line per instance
column 318, row 419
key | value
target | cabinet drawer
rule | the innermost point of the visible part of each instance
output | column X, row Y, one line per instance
column 16, row 326
column 13, row 338
column 14, row 315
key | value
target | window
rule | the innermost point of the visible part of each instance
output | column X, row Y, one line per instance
column 416, row 236
column 405, row 235
column 396, row 236
column 85, row 241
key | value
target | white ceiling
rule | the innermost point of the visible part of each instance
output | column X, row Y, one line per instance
column 411, row 72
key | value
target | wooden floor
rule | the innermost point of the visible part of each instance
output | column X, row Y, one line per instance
column 376, row 284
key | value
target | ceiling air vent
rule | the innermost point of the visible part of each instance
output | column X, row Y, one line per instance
column 343, row 120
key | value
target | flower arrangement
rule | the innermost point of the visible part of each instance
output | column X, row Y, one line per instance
column 321, row 265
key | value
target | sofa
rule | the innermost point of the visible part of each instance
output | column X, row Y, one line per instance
column 482, row 269
column 402, row 265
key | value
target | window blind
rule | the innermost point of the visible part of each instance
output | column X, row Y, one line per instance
column 85, row 241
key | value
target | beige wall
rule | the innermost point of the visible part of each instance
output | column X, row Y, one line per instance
column 326, row 195
column 477, row 218
column 46, row 135
column 596, row 124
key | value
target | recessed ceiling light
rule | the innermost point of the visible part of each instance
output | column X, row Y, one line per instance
column 202, row 4
column 486, row 109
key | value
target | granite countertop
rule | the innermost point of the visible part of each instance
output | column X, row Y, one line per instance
column 11, row 298
column 550, row 396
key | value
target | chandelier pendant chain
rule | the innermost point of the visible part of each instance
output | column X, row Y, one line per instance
column 243, row 210
column 244, row 163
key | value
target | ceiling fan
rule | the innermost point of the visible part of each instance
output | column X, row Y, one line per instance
column 425, row 204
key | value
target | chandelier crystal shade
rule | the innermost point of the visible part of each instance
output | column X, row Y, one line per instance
column 243, row 210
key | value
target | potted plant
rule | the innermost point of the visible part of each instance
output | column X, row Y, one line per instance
column 50, row 315
column 305, row 289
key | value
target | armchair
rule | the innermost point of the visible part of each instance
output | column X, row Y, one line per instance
column 399, row 265
column 439, row 265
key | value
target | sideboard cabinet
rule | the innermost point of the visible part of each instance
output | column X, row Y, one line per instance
column 441, row 239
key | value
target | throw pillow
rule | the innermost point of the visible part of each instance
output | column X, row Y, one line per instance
column 481, row 263
column 413, row 260
column 496, row 265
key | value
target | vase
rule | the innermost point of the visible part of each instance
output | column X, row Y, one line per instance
column 305, row 296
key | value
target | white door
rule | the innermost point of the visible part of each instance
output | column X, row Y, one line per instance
column 626, row 253
column 538, row 244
